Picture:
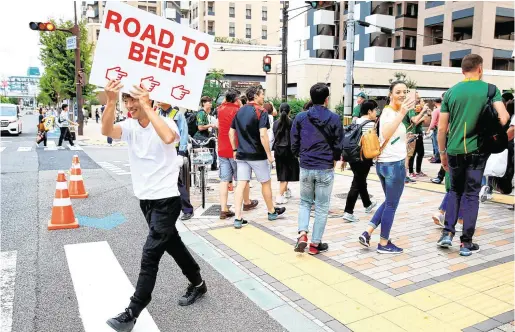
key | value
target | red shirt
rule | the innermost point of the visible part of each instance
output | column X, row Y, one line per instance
column 226, row 113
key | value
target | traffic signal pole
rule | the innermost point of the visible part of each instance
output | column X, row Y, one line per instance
column 284, row 66
column 78, row 68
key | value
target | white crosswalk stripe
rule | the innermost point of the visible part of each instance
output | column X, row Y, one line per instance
column 7, row 279
column 2, row 148
column 97, row 274
column 51, row 146
column 113, row 168
column 24, row 149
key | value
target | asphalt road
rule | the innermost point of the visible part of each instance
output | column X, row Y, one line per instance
column 44, row 294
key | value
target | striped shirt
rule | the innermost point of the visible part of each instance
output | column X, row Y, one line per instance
column 366, row 127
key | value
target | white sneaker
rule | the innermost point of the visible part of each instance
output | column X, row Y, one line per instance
column 350, row 217
column 280, row 200
column 439, row 219
column 458, row 227
column 483, row 194
column 371, row 207
column 287, row 194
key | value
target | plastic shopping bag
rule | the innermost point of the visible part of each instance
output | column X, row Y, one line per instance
column 496, row 164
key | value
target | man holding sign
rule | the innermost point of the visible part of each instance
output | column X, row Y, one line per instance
column 153, row 160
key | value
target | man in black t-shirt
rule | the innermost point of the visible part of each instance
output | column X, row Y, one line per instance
column 252, row 152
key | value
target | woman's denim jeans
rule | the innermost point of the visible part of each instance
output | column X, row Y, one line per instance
column 391, row 175
column 315, row 186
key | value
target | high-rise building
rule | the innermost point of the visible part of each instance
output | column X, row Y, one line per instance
column 424, row 32
column 453, row 29
column 93, row 11
column 258, row 21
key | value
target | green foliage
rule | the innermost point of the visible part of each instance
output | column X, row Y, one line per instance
column 58, row 80
column 8, row 100
column 213, row 84
column 296, row 105
column 400, row 76
column 339, row 109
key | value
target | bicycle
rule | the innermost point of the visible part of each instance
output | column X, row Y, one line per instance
column 200, row 158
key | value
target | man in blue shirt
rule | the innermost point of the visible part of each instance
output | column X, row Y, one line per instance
column 166, row 110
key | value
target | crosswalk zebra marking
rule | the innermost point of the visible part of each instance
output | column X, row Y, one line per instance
column 51, row 146
column 113, row 168
column 7, row 279
column 102, row 287
column 24, row 148
column 2, row 148
column 75, row 148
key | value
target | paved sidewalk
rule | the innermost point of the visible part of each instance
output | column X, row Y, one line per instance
column 93, row 135
column 354, row 288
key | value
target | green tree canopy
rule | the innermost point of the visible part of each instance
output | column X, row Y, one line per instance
column 400, row 76
column 58, row 79
column 213, row 84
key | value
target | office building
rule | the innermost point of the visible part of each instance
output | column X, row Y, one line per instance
column 424, row 32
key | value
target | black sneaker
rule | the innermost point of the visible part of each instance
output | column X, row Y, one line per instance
column 124, row 322
column 193, row 294
column 468, row 249
column 277, row 213
column 364, row 239
column 437, row 180
column 239, row 223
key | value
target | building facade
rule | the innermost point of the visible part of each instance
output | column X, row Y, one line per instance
column 424, row 32
column 255, row 21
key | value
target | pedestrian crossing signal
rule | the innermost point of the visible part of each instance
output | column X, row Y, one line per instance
column 42, row 26
column 267, row 64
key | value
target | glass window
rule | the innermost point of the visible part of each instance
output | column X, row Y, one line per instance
column 397, row 41
column 152, row 10
column 248, row 31
column 410, row 42
column 248, row 13
column 412, row 10
column 264, row 33
column 232, row 31
column 231, row 9
column 264, row 14
column 399, row 9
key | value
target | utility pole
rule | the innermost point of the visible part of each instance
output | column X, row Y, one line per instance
column 285, row 52
column 349, row 73
column 78, row 69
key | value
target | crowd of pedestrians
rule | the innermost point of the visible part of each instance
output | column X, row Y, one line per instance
column 253, row 137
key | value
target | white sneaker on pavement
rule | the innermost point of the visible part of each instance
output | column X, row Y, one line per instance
column 280, row 200
column 439, row 219
column 350, row 217
column 287, row 194
column 371, row 207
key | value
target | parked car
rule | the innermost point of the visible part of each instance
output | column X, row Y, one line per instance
column 10, row 119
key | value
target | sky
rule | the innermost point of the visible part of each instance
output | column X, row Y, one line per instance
column 19, row 46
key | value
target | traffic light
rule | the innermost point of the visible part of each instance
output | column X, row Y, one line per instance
column 42, row 26
column 267, row 64
column 319, row 4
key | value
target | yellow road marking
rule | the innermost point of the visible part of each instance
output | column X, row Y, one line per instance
column 475, row 296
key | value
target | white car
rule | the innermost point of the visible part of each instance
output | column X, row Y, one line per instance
column 10, row 119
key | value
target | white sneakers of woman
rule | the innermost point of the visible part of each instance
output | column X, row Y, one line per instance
column 280, row 200
column 287, row 194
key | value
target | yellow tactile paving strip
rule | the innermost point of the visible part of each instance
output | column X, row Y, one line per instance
column 447, row 306
column 497, row 198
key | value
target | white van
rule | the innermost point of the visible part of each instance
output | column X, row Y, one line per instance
column 10, row 119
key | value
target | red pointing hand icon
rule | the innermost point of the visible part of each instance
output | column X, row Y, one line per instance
column 115, row 73
column 179, row 92
column 149, row 83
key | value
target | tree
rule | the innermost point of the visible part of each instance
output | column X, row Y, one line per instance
column 60, row 63
column 400, row 76
column 213, row 84
column 9, row 100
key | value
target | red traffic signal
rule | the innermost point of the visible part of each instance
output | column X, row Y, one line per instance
column 267, row 63
column 42, row 26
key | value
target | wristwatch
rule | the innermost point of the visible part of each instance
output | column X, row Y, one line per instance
column 234, row 150
column 443, row 151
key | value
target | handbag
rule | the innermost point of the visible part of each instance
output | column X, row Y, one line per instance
column 496, row 164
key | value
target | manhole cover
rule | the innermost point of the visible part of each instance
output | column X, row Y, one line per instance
column 344, row 196
column 213, row 210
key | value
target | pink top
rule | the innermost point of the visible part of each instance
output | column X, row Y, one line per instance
column 435, row 116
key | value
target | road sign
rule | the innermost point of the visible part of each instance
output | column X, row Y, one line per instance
column 71, row 43
column 168, row 59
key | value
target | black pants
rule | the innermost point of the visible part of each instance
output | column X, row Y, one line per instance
column 44, row 138
column 419, row 152
column 65, row 134
column 358, row 186
column 212, row 145
column 185, row 195
column 161, row 216
column 466, row 172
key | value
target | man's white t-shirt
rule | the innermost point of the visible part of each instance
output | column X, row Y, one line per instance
column 154, row 168
column 395, row 149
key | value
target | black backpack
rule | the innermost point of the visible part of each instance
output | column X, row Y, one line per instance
column 492, row 136
column 351, row 148
column 191, row 120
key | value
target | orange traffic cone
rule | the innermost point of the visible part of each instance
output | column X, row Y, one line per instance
column 62, row 211
column 77, row 189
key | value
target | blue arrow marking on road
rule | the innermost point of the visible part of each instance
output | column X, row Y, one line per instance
column 108, row 222
column 53, row 134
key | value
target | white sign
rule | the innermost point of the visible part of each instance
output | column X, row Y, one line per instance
column 71, row 43
column 169, row 59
